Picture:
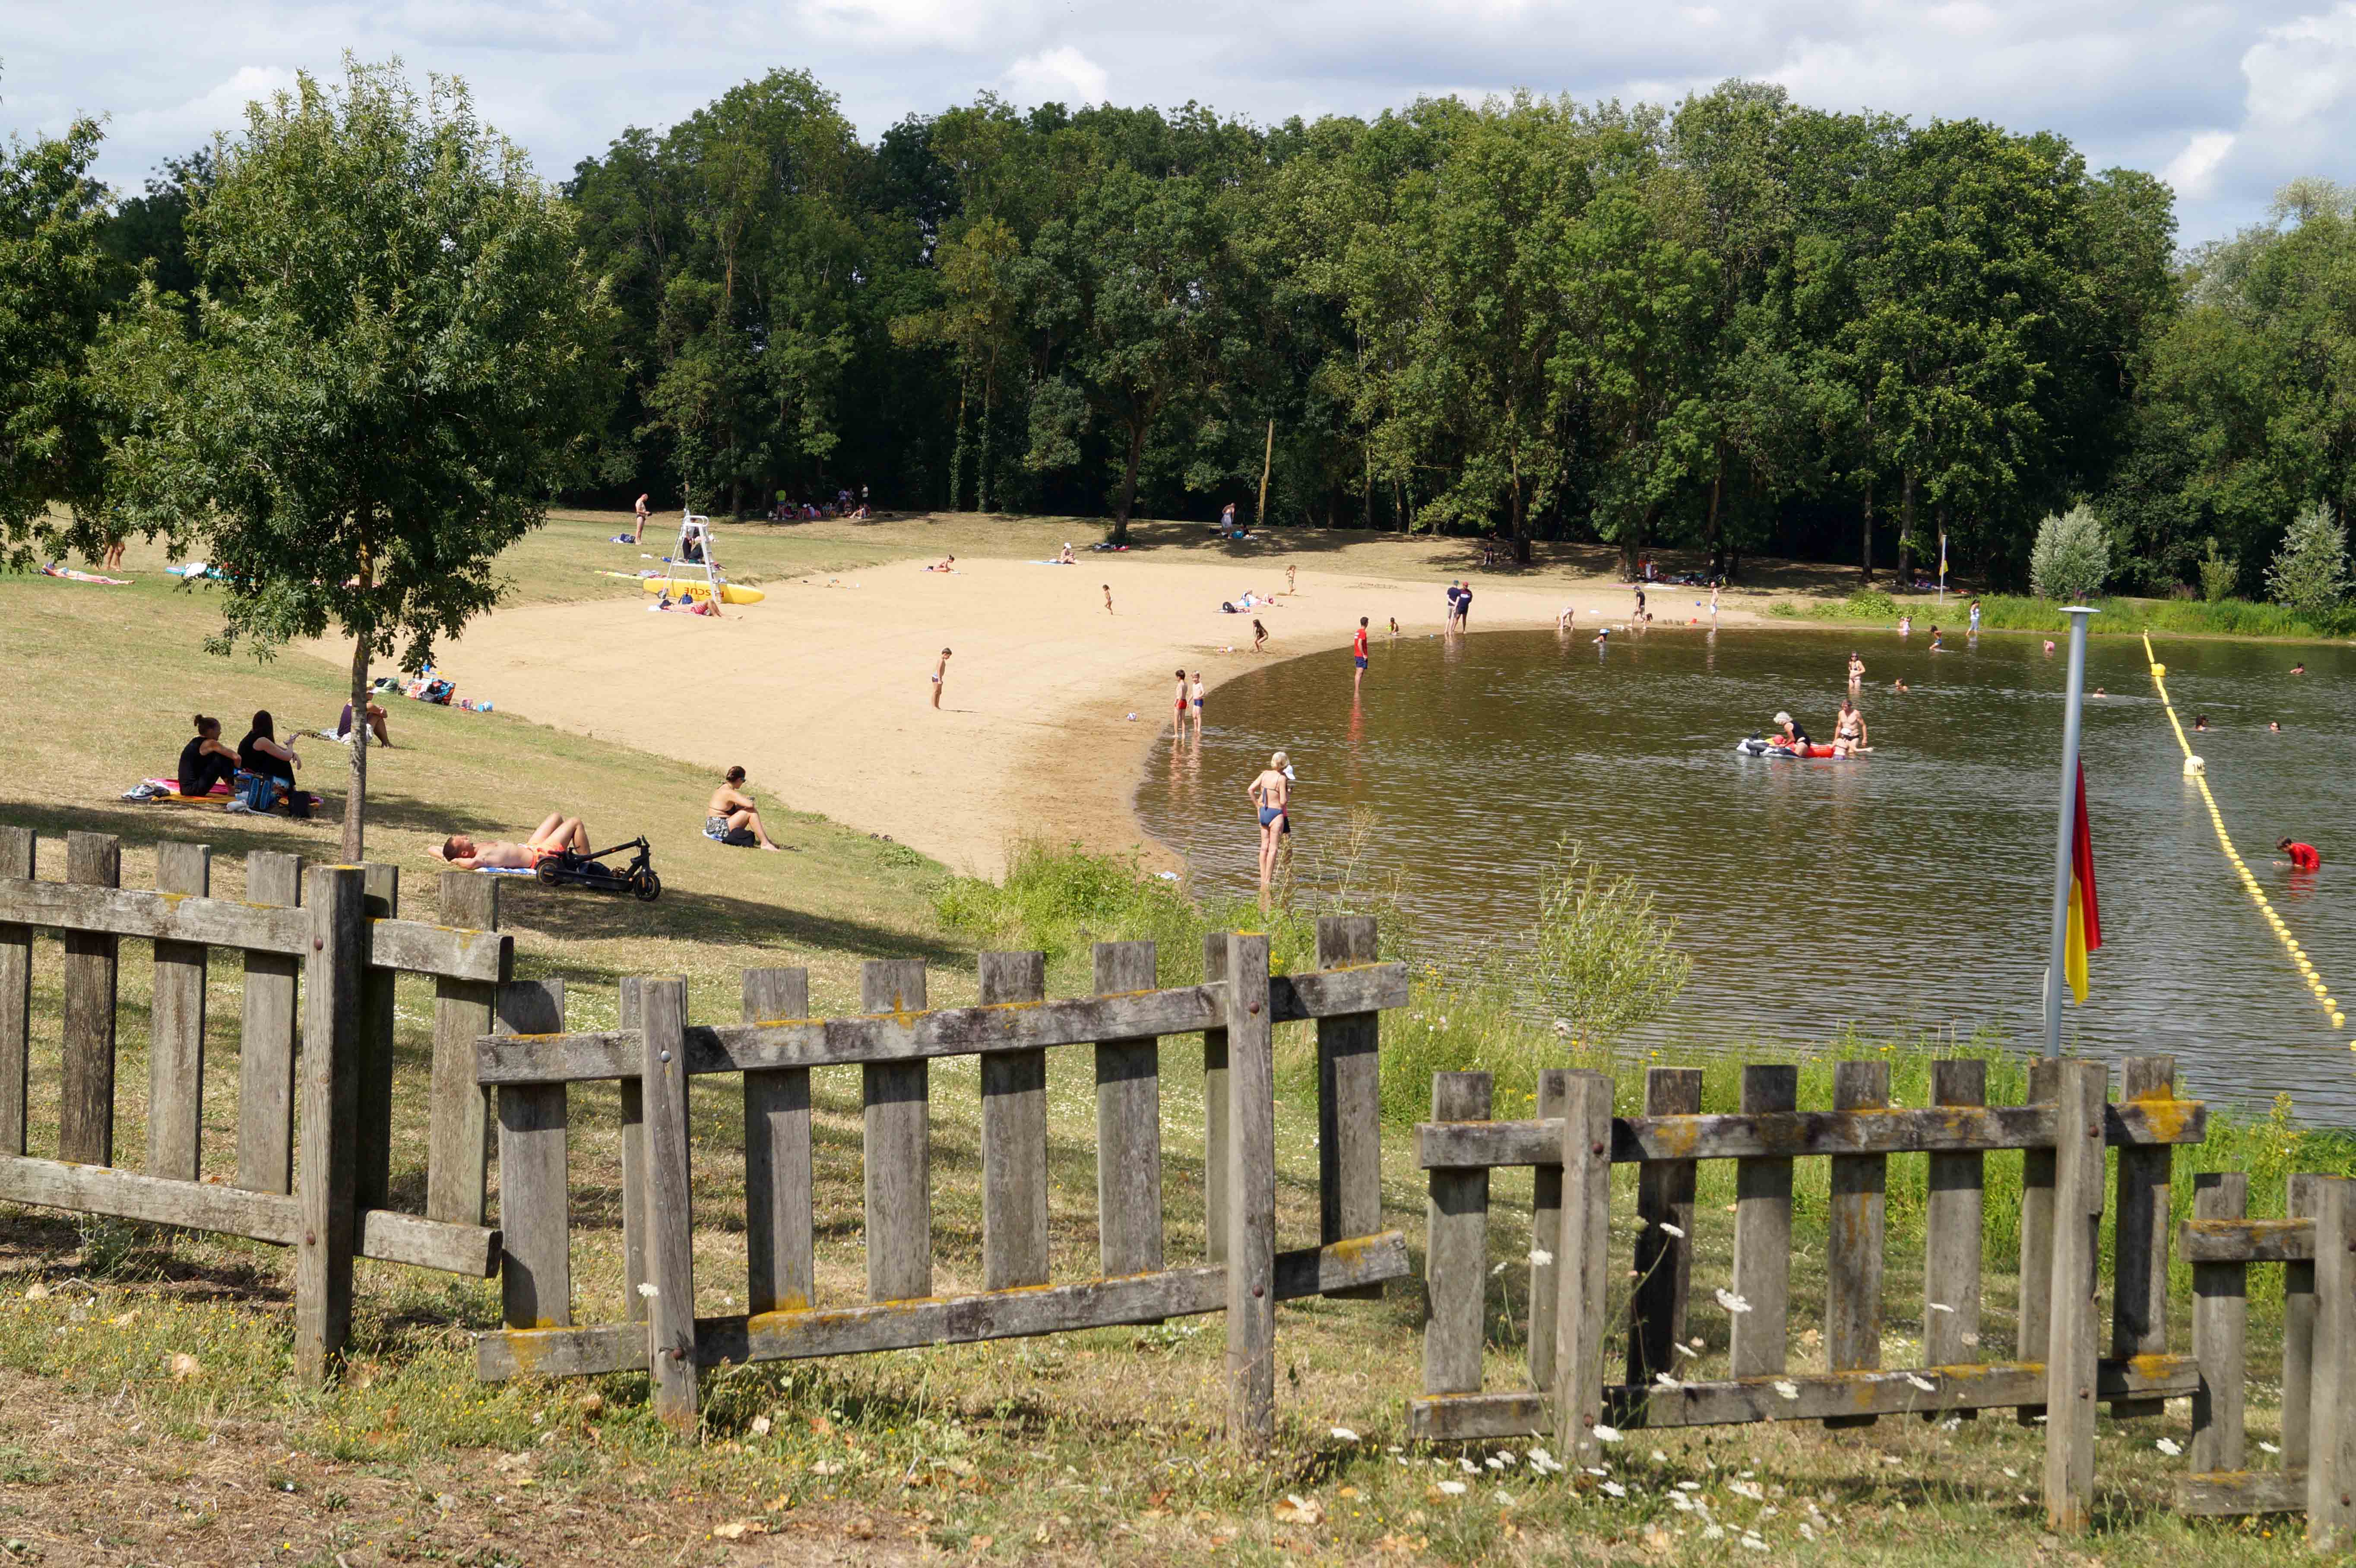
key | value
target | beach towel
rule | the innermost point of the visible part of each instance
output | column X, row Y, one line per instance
column 195, row 569
column 167, row 792
column 621, row 539
column 71, row 575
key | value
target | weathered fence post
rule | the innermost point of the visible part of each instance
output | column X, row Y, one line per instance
column 1456, row 1246
column 780, row 1244
column 1129, row 1125
column 86, row 1098
column 2221, row 1312
column 1350, row 1103
column 326, row 1164
column 1665, row 1204
column 2332, row 1441
column 1546, row 1234
column 1251, row 1197
column 670, row 1217
column 16, row 845
column 628, row 1015
column 1951, row 1258
column 2036, row 1277
column 2301, row 1196
column 1014, row 1135
column 1853, row 1245
column 898, row 1145
column 535, row 1202
column 265, row 1050
column 176, row 1042
column 377, row 1016
column 1215, row 1114
column 2141, row 1232
column 459, row 1114
column 1582, row 1264
column 1762, row 1234
column 2079, row 1101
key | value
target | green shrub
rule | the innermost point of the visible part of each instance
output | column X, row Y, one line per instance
column 2310, row 574
column 1870, row 604
column 2070, row 558
column 2220, row 574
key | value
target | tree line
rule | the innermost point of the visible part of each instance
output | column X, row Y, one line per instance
column 1737, row 322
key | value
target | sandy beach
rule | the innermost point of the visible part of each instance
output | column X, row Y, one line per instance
column 823, row 690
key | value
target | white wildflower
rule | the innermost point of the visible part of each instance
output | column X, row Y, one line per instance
column 1941, row 1307
column 646, row 1288
column 1751, row 1489
column 1753, row 1541
column 1663, row 1381
column 1672, row 1230
column 1659, row 1457
column 1452, row 1489
column 1505, row 1498
column 1681, row 1502
column 1495, row 1463
column 1343, row 1434
column 1806, row 1532
column 1689, row 1486
column 1614, row 1489
column 1732, row 1302
column 1498, row 1270
column 2170, row 1447
column 1541, row 1258
column 1787, row 1388
column 1606, row 1434
column 2269, row 1449
column 1926, row 1384
column 1506, row 1454
column 1713, row 1533
column 1469, row 1468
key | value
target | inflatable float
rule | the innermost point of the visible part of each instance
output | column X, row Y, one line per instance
column 1755, row 747
column 696, row 587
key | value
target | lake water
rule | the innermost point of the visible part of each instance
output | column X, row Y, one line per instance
column 1908, row 889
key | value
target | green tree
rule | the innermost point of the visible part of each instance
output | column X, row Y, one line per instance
column 397, row 358
column 52, row 284
column 2072, row 558
column 2309, row 573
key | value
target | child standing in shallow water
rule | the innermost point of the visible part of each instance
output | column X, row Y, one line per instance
column 1198, row 704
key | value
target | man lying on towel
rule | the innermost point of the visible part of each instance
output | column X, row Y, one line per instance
column 552, row 837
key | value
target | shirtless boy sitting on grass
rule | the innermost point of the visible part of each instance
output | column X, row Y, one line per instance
column 558, row 833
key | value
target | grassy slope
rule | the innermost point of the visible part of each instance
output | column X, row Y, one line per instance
column 1099, row 1445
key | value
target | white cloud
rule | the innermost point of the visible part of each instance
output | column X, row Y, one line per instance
column 2192, row 172
column 1062, row 74
column 915, row 24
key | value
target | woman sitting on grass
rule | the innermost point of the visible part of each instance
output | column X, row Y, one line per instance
column 261, row 753
column 204, row 761
column 730, row 818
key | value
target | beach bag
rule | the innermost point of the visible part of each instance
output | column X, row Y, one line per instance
column 259, row 794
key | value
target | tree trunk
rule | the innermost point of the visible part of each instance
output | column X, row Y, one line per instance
column 981, row 467
column 1717, row 488
column 1129, row 483
column 956, row 455
column 355, row 797
column 1906, row 532
column 1266, row 462
column 1865, row 549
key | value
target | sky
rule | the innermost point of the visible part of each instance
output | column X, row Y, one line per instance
column 2225, row 101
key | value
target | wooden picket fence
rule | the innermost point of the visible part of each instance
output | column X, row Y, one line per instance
column 318, row 1180
column 656, row 1050
column 1576, row 1141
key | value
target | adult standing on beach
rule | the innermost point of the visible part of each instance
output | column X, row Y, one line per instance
column 1358, row 655
column 639, row 533
column 1271, row 792
column 1464, row 608
column 1450, row 624
column 1713, row 604
column 940, row 671
column 1639, row 616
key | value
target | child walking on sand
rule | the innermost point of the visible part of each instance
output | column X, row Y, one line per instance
column 1108, row 588
column 940, row 670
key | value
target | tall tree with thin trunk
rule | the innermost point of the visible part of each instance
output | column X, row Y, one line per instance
column 397, row 358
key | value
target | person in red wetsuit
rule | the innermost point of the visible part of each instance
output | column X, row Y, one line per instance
column 2303, row 857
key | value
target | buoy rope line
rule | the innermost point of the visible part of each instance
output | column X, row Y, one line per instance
column 2199, row 774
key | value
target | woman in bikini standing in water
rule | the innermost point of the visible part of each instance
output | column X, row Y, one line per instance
column 1271, row 792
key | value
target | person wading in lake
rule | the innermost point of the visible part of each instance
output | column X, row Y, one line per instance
column 1856, row 670
column 1358, row 655
column 1849, row 729
column 1271, row 793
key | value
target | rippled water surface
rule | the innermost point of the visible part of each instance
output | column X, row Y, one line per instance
column 1911, row 888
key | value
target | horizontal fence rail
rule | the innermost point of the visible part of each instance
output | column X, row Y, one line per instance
column 1576, row 1292
column 530, row 1061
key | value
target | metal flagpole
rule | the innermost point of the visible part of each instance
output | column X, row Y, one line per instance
column 2065, row 840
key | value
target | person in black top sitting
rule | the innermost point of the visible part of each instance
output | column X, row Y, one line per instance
column 1794, row 738
column 204, row 761
column 260, row 752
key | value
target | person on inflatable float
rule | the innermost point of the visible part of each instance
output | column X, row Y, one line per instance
column 1794, row 739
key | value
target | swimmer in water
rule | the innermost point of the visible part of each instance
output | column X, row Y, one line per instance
column 2274, row 726
column 1271, row 793
column 2048, row 647
column 2299, row 668
column 2098, row 691
column 1905, row 625
column 2199, row 722
column 1900, row 684
column 1934, row 641
column 1856, row 670
column 1849, row 729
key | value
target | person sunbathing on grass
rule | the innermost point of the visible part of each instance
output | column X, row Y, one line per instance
column 555, row 835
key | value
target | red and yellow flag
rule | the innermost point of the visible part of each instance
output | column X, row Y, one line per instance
column 2085, row 931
